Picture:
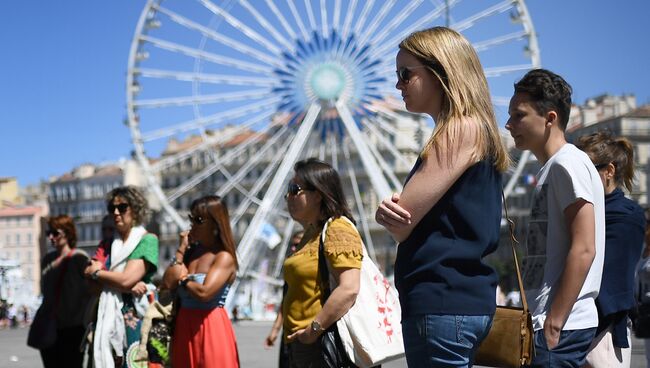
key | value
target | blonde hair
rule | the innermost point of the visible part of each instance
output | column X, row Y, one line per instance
column 454, row 62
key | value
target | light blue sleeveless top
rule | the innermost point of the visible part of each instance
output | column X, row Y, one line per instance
column 187, row 301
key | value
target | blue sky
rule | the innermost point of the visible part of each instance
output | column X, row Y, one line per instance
column 63, row 69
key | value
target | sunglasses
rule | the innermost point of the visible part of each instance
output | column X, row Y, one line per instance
column 601, row 166
column 53, row 233
column 195, row 220
column 295, row 189
column 404, row 73
column 121, row 208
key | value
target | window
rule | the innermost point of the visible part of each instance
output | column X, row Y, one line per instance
column 17, row 239
column 29, row 258
column 29, row 239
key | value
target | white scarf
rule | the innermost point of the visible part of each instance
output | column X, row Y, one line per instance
column 110, row 333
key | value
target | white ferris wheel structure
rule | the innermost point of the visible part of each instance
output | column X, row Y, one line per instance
column 245, row 88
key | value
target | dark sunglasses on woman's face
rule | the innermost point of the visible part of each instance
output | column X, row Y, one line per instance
column 195, row 220
column 53, row 233
column 404, row 73
column 294, row 189
column 122, row 207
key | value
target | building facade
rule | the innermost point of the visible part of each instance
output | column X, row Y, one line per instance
column 22, row 244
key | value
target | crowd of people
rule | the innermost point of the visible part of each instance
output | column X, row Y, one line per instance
column 583, row 245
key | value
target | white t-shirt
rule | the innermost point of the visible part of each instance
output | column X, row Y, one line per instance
column 567, row 176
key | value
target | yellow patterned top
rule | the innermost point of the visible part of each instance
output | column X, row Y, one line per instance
column 302, row 301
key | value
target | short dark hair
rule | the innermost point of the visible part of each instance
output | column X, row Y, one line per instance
column 323, row 178
column 136, row 200
column 65, row 224
column 548, row 92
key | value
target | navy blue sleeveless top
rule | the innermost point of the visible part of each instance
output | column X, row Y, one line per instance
column 439, row 268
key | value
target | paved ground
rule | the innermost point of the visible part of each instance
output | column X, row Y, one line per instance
column 250, row 335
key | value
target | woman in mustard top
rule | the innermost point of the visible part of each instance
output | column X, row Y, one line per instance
column 314, row 195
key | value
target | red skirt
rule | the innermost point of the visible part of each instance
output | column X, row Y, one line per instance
column 204, row 339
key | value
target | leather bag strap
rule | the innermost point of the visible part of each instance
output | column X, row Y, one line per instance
column 513, row 243
column 323, row 271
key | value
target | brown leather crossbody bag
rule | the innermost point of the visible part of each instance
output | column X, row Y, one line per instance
column 509, row 343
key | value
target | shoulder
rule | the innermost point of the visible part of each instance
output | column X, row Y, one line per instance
column 573, row 165
column 80, row 256
column 341, row 229
column 224, row 259
column 342, row 236
column 571, row 158
column 627, row 208
column 149, row 238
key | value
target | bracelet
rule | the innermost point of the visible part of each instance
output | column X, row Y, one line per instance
column 173, row 262
column 95, row 275
column 179, row 252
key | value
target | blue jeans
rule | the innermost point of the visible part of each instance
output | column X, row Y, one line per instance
column 443, row 340
column 571, row 350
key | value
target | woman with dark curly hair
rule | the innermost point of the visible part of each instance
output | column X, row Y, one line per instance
column 65, row 294
column 125, row 277
column 204, row 267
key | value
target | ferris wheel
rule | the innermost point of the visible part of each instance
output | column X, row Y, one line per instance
column 235, row 92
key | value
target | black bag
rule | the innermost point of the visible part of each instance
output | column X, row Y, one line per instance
column 42, row 333
column 332, row 349
column 641, row 321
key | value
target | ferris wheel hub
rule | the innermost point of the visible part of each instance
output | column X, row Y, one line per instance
column 327, row 81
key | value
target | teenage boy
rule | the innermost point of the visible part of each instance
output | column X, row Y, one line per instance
column 566, row 231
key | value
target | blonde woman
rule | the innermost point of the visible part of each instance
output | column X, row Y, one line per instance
column 447, row 217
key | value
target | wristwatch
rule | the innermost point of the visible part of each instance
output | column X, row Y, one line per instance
column 183, row 282
column 95, row 275
column 316, row 327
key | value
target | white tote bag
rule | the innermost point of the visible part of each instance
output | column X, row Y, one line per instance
column 371, row 331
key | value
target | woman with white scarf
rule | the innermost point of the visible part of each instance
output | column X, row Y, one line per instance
column 124, row 271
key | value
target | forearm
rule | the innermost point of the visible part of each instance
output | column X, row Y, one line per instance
column 200, row 291
column 277, row 324
column 575, row 272
column 116, row 280
column 338, row 303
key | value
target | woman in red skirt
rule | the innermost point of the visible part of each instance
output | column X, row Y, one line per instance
column 203, row 269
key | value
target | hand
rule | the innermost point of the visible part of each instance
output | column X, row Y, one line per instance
column 551, row 333
column 139, row 289
column 184, row 241
column 390, row 214
column 92, row 267
column 270, row 339
column 305, row 336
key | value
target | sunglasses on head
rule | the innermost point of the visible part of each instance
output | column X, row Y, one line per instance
column 53, row 233
column 121, row 208
column 295, row 189
column 195, row 220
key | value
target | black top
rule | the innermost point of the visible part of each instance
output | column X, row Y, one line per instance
column 439, row 269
